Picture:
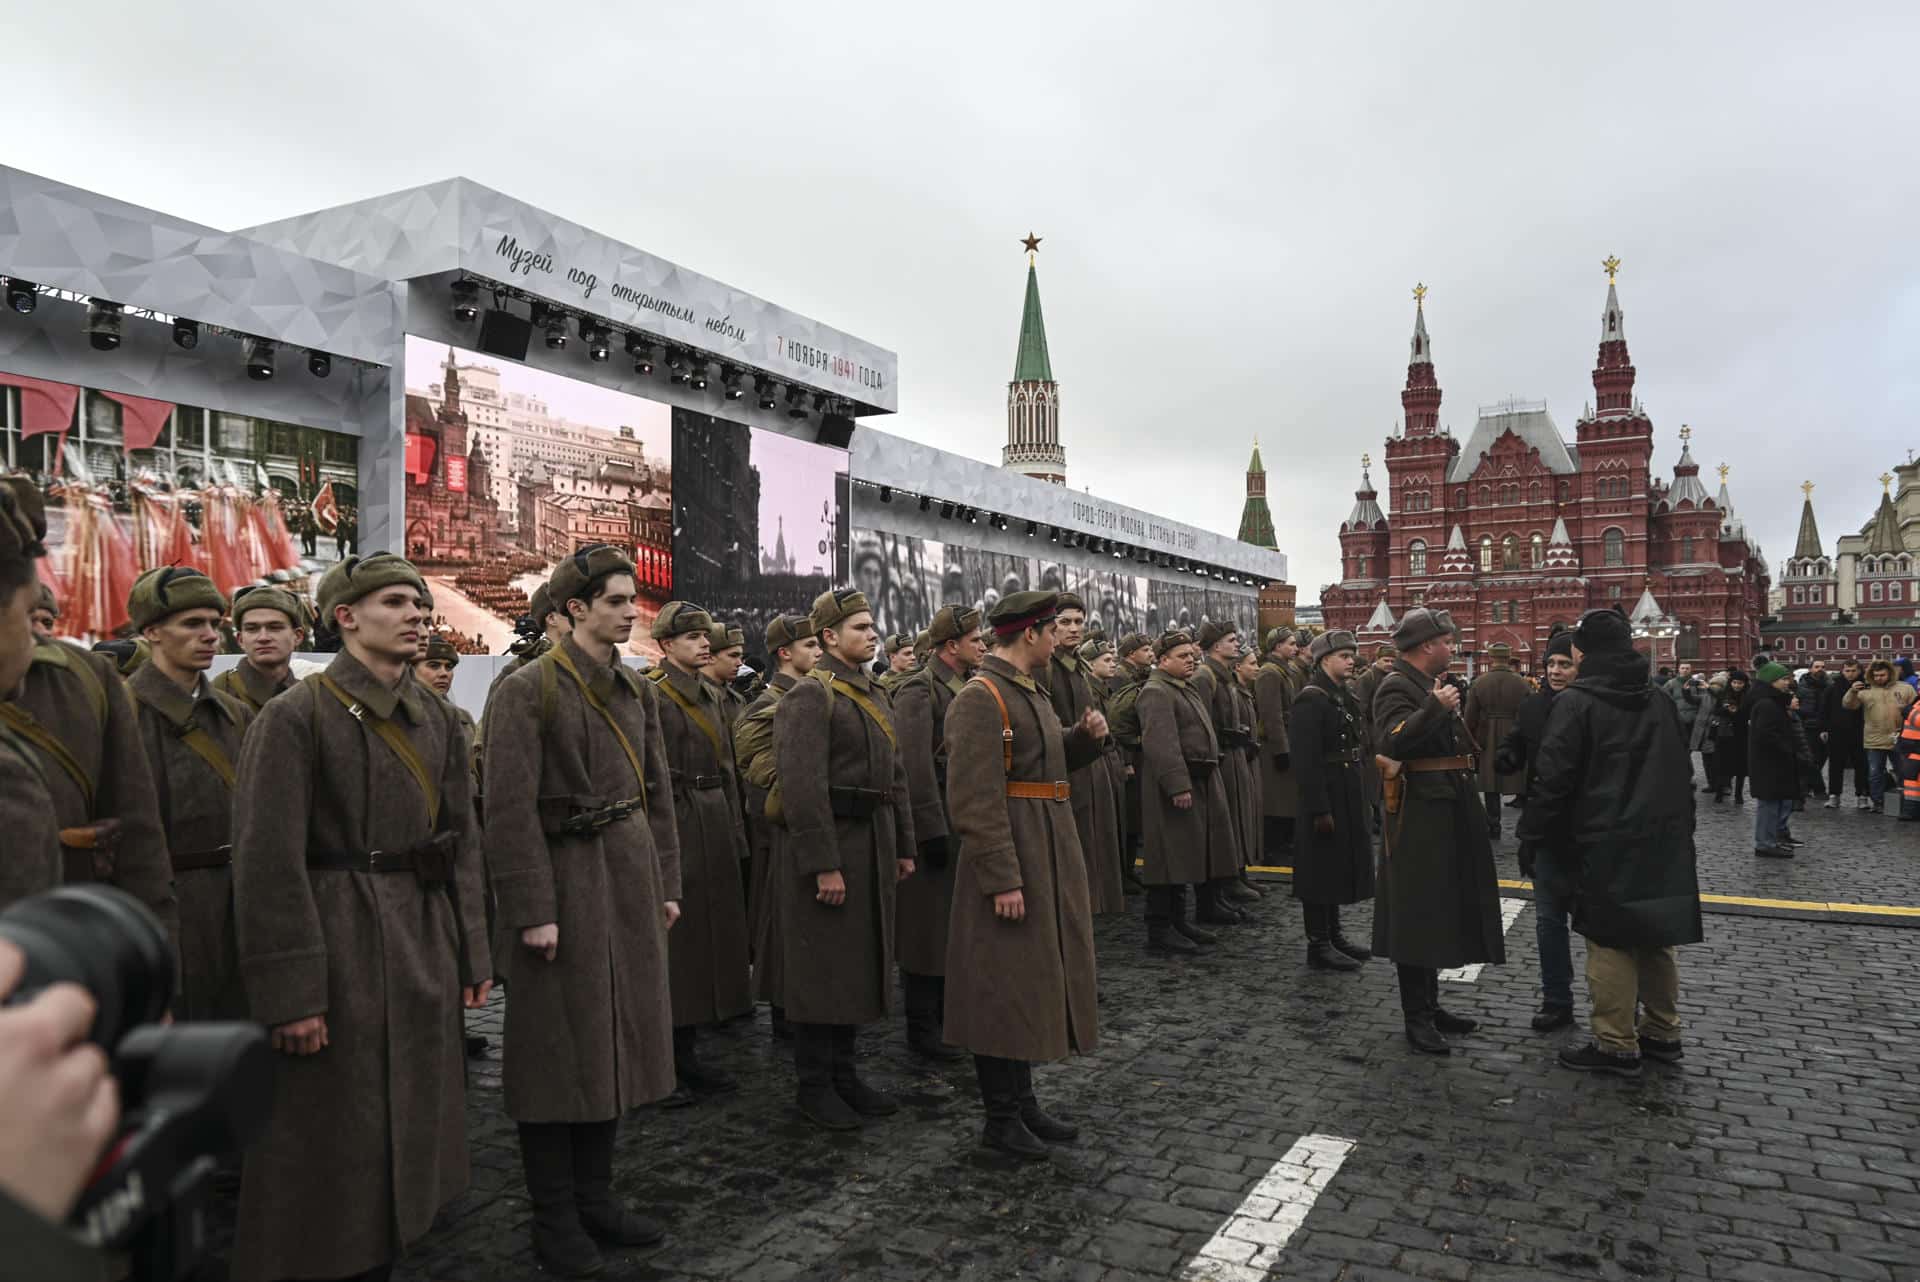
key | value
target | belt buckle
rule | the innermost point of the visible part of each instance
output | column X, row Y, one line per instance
column 373, row 862
column 1062, row 789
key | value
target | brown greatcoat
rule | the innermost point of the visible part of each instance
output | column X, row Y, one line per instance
column 1095, row 809
column 1180, row 753
column 588, row 1034
column 1273, row 693
column 837, row 963
column 196, row 811
column 1020, row 990
column 250, row 686
column 369, row 1136
column 1106, row 879
column 1493, row 709
column 32, row 862
column 707, row 948
column 64, row 693
column 1437, row 903
column 1254, row 804
column 754, row 760
column 1365, row 686
column 923, row 904
column 1216, row 684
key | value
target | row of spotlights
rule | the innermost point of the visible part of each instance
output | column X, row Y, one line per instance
column 105, row 319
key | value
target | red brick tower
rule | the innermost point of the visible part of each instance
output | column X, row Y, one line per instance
column 1616, row 456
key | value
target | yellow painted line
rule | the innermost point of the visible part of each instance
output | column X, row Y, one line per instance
column 1744, row 901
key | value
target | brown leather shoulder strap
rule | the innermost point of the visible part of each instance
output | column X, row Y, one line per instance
column 1006, row 722
column 557, row 657
column 394, row 737
column 22, row 723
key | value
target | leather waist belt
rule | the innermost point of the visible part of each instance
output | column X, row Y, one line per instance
column 849, row 802
column 1200, row 768
column 584, row 823
column 1059, row 790
column 701, row 783
column 1437, row 765
column 194, row 860
column 372, row 861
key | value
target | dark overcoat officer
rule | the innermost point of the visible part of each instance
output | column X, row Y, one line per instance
column 1439, row 903
column 1333, row 850
column 709, row 946
column 1020, row 958
column 848, row 840
column 32, row 860
column 1273, row 692
column 1493, row 705
column 1188, row 828
column 192, row 735
column 584, row 852
column 357, row 905
column 1220, row 651
column 924, row 902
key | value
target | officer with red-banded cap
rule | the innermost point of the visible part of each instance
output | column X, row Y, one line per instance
column 1020, row 963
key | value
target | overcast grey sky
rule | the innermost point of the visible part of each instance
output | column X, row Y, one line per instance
column 1236, row 200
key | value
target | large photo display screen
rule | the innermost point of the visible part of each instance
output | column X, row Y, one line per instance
column 761, row 526
column 908, row 578
column 132, row 483
column 510, row 470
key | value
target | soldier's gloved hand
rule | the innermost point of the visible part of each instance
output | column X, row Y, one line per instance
column 1323, row 824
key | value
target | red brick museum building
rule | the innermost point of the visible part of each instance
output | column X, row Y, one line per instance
column 1521, row 529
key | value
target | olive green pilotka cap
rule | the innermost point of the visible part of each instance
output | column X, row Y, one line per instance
column 677, row 618
column 165, row 591
column 357, row 576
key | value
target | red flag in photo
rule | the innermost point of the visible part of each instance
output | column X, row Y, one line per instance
column 326, row 509
column 142, row 419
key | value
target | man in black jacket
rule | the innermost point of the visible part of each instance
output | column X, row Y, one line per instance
column 1812, row 689
column 1843, row 730
column 1612, row 798
column 1516, row 754
column 1772, row 761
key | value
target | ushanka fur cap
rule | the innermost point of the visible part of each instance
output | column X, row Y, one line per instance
column 953, row 622
column 1214, row 631
column 785, row 630
column 267, row 598
column 831, row 609
column 23, row 520
column 721, row 637
column 355, row 577
column 570, row 578
column 1327, row 642
column 1421, row 626
column 166, row 591
column 677, row 618
column 1170, row 641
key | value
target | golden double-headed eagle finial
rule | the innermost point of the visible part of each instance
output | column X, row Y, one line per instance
column 1806, row 488
column 1420, row 294
column 1612, row 263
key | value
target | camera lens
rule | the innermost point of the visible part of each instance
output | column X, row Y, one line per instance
column 102, row 939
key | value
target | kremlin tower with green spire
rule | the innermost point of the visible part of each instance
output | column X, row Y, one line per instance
column 1256, row 522
column 1033, row 398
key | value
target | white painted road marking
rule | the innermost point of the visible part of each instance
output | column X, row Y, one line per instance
column 1248, row 1245
column 1509, row 911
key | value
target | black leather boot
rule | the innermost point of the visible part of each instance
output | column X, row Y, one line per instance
column 606, row 1219
column 1321, row 954
column 1037, row 1120
column 1444, row 1020
column 922, row 996
column 560, row 1241
column 782, row 1030
column 1161, row 936
column 1000, row 1096
column 692, row 1074
column 1415, row 1009
column 862, row 1098
column 1212, row 910
column 1181, row 924
column 813, row 1065
column 1359, row 952
column 1247, row 883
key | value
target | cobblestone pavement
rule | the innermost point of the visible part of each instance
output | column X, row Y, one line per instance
column 1782, row 1149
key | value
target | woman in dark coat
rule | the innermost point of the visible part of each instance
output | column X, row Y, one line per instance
column 1739, row 708
column 1776, row 764
column 1333, row 851
column 1713, row 735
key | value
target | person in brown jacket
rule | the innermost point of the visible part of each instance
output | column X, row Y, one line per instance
column 1220, row 650
column 707, row 961
column 923, row 904
column 74, row 710
column 1067, row 683
column 357, row 907
column 192, row 734
column 269, row 625
column 1493, row 706
column 32, row 860
column 726, row 654
column 793, row 649
column 1021, row 951
column 1273, row 693
column 583, row 850
column 1189, row 836
column 1246, row 673
column 847, row 842
column 1106, row 881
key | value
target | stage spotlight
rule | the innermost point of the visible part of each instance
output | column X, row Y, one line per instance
column 886, row 494
column 925, row 502
column 1033, row 528
column 319, row 364
column 946, row 511
column 973, row 516
column 259, row 359
column 103, row 324
column 820, row 400
column 797, row 408
column 642, row 352
column 466, row 302
column 697, row 376
column 1054, row 536
column 676, row 368
column 186, row 334
column 730, row 379
column 763, row 388
column 555, row 323
column 22, row 295
column 599, row 344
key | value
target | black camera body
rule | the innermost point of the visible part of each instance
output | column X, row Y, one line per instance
column 189, row 1092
